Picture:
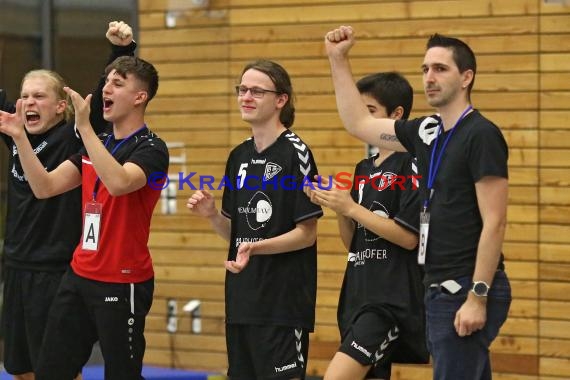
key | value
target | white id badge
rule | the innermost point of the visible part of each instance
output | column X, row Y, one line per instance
column 424, row 231
column 91, row 226
column 451, row 286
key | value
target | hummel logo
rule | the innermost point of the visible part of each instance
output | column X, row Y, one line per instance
column 301, row 147
column 291, row 137
column 304, row 158
column 392, row 336
column 371, row 176
column 361, row 349
column 285, row 367
column 111, row 299
column 302, row 153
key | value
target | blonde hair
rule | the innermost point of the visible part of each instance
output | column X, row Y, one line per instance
column 57, row 84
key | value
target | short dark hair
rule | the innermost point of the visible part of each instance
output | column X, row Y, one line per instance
column 390, row 90
column 141, row 69
column 282, row 82
column 463, row 56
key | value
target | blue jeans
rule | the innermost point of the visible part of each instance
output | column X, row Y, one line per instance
column 465, row 358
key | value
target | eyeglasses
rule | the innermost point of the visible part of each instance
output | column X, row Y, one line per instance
column 256, row 92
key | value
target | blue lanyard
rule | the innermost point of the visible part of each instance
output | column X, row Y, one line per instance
column 433, row 169
column 115, row 148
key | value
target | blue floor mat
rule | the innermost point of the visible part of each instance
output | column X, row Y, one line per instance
column 149, row 373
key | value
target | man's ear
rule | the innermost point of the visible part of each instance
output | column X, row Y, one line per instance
column 141, row 97
column 282, row 100
column 398, row 113
column 467, row 78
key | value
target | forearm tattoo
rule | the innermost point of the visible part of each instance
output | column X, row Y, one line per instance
column 388, row 137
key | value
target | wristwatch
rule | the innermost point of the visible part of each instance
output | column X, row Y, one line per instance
column 480, row 288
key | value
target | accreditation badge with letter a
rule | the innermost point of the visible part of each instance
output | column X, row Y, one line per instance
column 91, row 226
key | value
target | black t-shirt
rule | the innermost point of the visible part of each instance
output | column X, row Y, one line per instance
column 41, row 234
column 380, row 273
column 476, row 149
column 277, row 289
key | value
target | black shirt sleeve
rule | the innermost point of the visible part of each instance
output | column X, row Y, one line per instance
column 303, row 208
column 487, row 152
column 416, row 133
column 408, row 215
column 151, row 155
column 6, row 106
column 228, row 200
column 353, row 186
column 405, row 133
column 76, row 160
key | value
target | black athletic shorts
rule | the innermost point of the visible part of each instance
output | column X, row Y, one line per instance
column 85, row 311
column 266, row 352
column 28, row 296
column 371, row 340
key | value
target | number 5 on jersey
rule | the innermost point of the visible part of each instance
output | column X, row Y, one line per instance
column 241, row 175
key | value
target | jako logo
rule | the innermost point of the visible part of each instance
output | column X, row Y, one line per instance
column 111, row 299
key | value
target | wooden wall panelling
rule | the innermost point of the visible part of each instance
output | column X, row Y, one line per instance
column 554, row 194
column 522, row 85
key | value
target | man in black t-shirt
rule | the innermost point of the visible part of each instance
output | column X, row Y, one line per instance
column 41, row 234
column 271, row 226
column 380, row 311
column 462, row 158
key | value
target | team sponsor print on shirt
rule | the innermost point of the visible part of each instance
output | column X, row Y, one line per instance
column 40, row 147
column 21, row 176
column 240, row 240
column 360, row 257
column 18, row 176
column 378, row 209
column 258, row 210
